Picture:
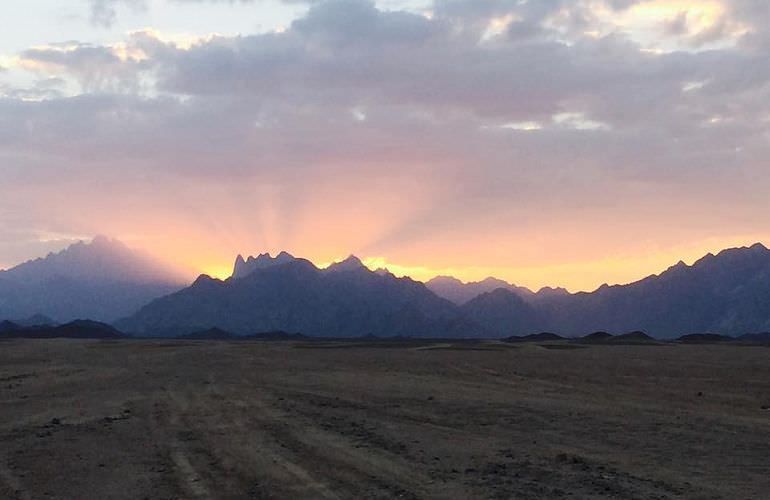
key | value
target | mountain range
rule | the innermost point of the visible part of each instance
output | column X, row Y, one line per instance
column 460, row 293
column 727, row 293
column 102, row 280
column 291, row 294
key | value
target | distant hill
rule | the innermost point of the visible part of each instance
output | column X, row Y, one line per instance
column 210, row 334
column 9, row 326
column 633, row 338
column 79, row 329
column 277, row 335
column 535, row 337
column 595, row 338
column 461, row 293
column 458, row 292
column 102, row 280
column 344, row 300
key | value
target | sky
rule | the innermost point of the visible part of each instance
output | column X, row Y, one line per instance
column 545, row 142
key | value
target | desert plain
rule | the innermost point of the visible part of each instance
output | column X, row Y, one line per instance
column 159, row 419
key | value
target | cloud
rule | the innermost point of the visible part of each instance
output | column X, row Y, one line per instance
column 393, row 131
column 104, row 12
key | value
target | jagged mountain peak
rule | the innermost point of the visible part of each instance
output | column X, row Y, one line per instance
column 679, row 266
column 243, row 268
column 351, row 263
column 548, row 291
column 756, row 253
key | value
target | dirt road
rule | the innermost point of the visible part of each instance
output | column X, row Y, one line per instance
column 174, row 419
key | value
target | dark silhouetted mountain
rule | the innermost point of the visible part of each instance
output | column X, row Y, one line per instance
column 210, row 334
column 536, row 337
column 345, row 300
column 245, row 267
column 79, row 329
column 502, row 313
column 103, row 280
column 728, row 293
column 9, row 326
column 460, row 293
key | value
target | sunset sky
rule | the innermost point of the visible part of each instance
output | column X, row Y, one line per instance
column 545, row 142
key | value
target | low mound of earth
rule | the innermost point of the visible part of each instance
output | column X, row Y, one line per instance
column 595, row 338
column 276, row 335
column 535, row 337
column 210, row 334
column 704, row 338
column 79, row 329
column 126, row 419
column 640, row 338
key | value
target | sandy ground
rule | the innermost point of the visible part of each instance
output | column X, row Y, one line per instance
column 174, row 419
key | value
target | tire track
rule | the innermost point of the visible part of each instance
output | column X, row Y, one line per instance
column 165, row 426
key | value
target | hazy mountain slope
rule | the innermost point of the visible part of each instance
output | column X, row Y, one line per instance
column 502, row 313
column 102, row 280
column 346, row 301
column 458, row 292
